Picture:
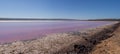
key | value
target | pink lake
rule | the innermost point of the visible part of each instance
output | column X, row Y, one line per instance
column 12, row 31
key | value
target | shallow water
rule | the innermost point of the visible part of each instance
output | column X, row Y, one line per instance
column 11, row 31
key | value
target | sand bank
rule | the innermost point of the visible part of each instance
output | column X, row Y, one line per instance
column 61, row 43
column 110, row 45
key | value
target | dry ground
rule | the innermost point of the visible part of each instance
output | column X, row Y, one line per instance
column 110, row 45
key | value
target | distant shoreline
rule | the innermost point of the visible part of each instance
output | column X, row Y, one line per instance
column 39, row 19
column 59, row 19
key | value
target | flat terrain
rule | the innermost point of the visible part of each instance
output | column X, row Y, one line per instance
column 110, row 45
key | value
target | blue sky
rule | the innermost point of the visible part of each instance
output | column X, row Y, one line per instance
column 78, row 9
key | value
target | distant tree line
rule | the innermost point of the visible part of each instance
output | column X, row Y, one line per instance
column 104, row 20
column 59, row 19
column 37, row 19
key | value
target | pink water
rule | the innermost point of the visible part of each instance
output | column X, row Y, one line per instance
column 11, row 31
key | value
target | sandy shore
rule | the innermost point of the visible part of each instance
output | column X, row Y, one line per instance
column 79, row 42
column 110, row 45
